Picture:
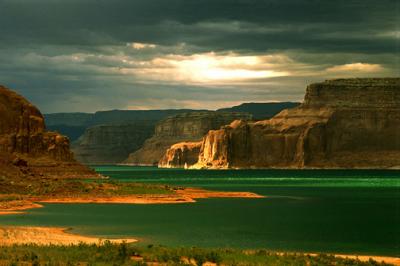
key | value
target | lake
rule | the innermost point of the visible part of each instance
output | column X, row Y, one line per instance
column 340, row 211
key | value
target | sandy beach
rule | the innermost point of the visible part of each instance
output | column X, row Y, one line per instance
column 388, row 260
column 10, row 235
column 365, row 258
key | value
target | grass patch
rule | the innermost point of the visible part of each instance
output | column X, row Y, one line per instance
column 16, row 192
column 124, row 254
column 12, row 190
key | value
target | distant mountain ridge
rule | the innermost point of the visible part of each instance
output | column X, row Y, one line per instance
column 74, row 125
column 261, row 111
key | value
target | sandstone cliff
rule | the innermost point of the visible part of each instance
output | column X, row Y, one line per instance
column 181, row 155
column 180, row 128
column 111, row 143
column 344, row 123
column 25, row 145
column 107, row 137
column 74, row 125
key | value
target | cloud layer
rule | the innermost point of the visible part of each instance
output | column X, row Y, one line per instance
column 88, row 55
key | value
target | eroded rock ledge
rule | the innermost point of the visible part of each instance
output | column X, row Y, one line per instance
column 343, row 123
column 181, row 155
column 26, row 148
column 186, row 127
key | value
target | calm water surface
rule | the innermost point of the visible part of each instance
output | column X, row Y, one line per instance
column 342, row 211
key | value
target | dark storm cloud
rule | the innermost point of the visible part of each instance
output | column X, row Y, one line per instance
column 305, row 24
column 61, row 53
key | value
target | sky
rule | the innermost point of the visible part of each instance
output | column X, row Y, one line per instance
column 91, row 55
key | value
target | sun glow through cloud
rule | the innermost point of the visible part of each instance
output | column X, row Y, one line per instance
column 356, row 67
column 139, row 46
column 210, row 68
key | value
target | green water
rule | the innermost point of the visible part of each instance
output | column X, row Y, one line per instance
column 343, row 211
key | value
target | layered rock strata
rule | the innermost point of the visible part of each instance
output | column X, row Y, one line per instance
column 180, row 128
column 343, row 123
column 181, row 155
column 111, row 143
column 25, row 145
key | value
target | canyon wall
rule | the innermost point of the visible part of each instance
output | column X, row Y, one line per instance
column 181, row 155
column 180, row 128
column 74, row 125
column 108, row 137
column 343, row 123
column 111, row 143
column 24, row 141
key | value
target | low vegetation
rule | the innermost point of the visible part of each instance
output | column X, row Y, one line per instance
column 17, row 192
column 124, row 254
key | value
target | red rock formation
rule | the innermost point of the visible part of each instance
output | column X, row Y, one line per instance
column 346, row 123
column 181, row 155
column 180, row 128
column 24, row 141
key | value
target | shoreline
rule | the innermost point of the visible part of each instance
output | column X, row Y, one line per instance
column 187, row 195
column 21, row 208
column 21, row 235
column 365, row 258
column 44, row 236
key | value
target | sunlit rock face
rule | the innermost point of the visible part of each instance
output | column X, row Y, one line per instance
column 344, row 123
column 180, row 128
column 25, row 142
column 181, row 155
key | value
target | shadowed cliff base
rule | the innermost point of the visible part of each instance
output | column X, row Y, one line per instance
column 342, row 123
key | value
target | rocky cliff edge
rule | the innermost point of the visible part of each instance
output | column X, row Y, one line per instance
column 26, row 148
column 342, row 123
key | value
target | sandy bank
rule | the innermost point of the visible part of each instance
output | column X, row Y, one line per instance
column 388, row 260
column 188, row 195
column 10, row 235
column 16, row 207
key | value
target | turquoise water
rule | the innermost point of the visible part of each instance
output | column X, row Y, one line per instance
column 343, row 211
